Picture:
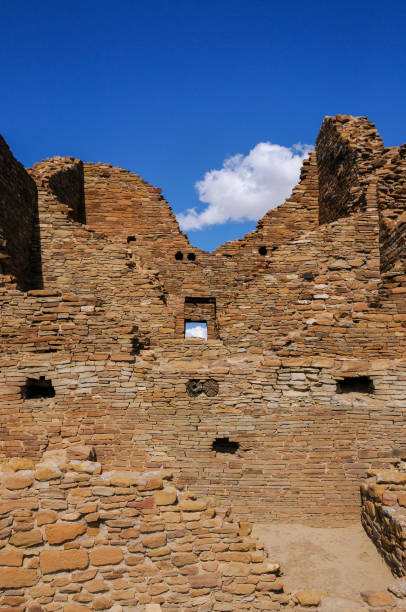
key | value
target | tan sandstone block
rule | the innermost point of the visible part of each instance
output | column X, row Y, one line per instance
column 155, row 540
column 17, row 577
column 61, row 532
column 309, row 597
column 26, row 538
column 191, row 505
column 42, row 590
column 101, row 603
column 15, row 482
column 97, row 586
column 204, row 581
column 166, row 496
column 180, row 559
column 377, row 599
column 75, row 608
column 106, row 555
column 44, row 517
column 63, row 560
column 391, row 477
column 20, row 463
column 241, row 589
column 11, row 558
column 47, row 472
column 84, row 576
column 235, row 569
column 85, row 467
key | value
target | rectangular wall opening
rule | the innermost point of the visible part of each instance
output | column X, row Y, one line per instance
column 196, row 329
column 38, row 387
column 355, row 384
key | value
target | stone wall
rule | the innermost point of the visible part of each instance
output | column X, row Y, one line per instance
column 348, row 149
column 75, row 538
column 253, row 414
column 383, row 514
column 18, row 210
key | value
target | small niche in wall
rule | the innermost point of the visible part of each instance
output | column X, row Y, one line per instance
column 196, row 329
column 262, row 250
column 38, row 387
column 223, row 445
column 195, row 387
column 130, row 239
column 355, row 384
column 178, row 255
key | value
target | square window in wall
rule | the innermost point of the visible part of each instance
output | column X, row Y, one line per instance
column 196, row 329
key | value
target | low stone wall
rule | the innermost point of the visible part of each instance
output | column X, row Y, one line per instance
column 383, row 514
column 75, row 539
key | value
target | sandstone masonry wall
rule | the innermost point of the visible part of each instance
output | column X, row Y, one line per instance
column 383, row 515
column 253, row 415
column 75, row 538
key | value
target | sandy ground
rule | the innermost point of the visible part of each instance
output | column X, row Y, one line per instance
column 342, row 561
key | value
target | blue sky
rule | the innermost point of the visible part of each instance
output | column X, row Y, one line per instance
column 171, row 89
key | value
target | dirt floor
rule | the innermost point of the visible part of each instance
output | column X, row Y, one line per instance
column 342, row 561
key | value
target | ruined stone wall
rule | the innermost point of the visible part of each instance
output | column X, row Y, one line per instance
column 78, row 539
column 18, row 209
column 348, row 149
column 383, row 501
column 253, row 414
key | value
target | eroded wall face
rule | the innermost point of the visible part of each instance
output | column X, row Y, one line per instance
column 253, row 414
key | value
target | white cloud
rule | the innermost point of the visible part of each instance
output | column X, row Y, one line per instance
column 246, row 187
column 194, row 330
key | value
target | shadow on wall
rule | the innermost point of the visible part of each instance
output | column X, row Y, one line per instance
column 34, row 278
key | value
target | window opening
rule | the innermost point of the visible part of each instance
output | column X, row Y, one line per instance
column 196, row 329
column 262, row 250
column 130, row 239
column 355, row 384
column 38, row 387
column 191, row 256
column 179, row 255
column 308, row 276
column 223, row 445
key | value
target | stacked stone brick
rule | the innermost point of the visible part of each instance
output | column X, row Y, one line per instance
column 313, row 296
column 76, row 538
column 383, row 513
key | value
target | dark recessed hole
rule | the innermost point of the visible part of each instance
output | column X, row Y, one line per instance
column 138, row 345
column 199, row 300
column 223, row 445
column 194, row 387
column 191, row 256
column 308, row 276
column 355, row 384
column 179, row 255
column 38, row 387
column 210, row 387
column 262, row 250
column 130, row 238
